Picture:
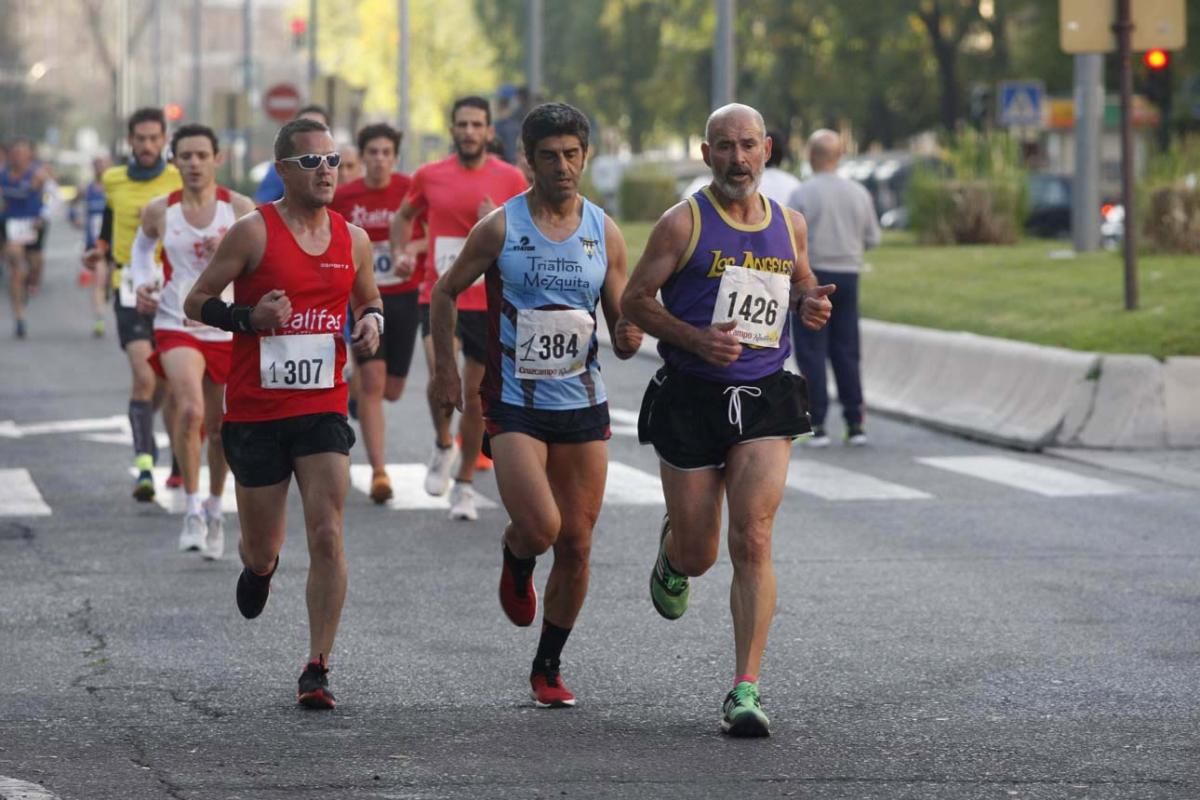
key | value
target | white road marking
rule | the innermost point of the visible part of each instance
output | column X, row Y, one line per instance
column 1019, row 474
column 630, row 486
column 19, row 497
column 408, row 488
column 126, row 438
column 834, row 483
column 623, row 422
column 175, row 501
column 13, row 431
column 13, row 789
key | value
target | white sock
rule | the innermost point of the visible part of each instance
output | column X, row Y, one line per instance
column 194, row 504
column 212, row 506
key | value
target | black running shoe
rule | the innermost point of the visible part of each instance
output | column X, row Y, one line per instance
column 314, row 687
column 253, row 591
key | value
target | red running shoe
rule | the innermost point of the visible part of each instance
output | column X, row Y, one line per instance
column 482, row 462
column 518, row 597
column 548, row 690
column 175, row 480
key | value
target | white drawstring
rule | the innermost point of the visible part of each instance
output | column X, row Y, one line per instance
column 735, row 402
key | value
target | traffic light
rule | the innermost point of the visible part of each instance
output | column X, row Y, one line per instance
column 1158, row 89
column 173, row 112
column 299, row 32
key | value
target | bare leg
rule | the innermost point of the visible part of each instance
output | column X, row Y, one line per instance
column 262, row 514
column 324, row 480
column 184, row 368
column 214, row 410
column 372, row 378
column 756, row 474
column 577, row 475
column 470, row 425
column 694, row 505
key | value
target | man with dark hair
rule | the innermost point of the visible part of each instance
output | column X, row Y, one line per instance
column 370, row 203
column 129, row 187
column 192, row 359
column 22, row 185
column 456, row 192
column 270, row 188
column 550, row 255
column 722, row 413
column 294, row 265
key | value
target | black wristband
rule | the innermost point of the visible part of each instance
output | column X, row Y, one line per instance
column 219, row 314
column 370, row 310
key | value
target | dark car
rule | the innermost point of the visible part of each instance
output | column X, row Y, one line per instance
column 1049, row 205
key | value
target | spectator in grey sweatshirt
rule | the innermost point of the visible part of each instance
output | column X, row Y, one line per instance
column 841, row 226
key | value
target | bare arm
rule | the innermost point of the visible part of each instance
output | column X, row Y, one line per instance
column 480, row 251
column 146, row 280
column 399, row 235
column 810, row 300
column 242, row 205
column 626, row 337
column 661, row 259
column 364, row 294
column 240, row 251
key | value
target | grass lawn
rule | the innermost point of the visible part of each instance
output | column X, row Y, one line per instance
column 1020, row 292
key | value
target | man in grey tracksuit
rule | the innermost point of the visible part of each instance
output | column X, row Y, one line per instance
column 841, row 226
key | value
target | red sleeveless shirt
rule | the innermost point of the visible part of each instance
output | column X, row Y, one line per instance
column 295, row 369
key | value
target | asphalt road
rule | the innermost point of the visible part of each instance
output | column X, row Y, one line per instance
column 954, row 621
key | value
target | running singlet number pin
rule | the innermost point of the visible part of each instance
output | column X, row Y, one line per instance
column 552, row 344
column 126, row 293
column 445, row 251
column 21, row 231
column 300, row 361
column 757, row 301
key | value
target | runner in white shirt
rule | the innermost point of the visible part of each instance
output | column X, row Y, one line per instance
column 191, row 356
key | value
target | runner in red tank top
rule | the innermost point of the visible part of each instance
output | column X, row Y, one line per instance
column 193, row 359
column 293, row 266
column 370, row 202
column 457, row 192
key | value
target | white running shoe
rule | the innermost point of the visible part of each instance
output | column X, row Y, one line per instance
column 818, row 439
column 214, row 540
column 462, row 502
column 441, row 464
column 193, row 534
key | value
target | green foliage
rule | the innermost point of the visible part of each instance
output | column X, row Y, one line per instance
column 986, row 200
column 645, row 193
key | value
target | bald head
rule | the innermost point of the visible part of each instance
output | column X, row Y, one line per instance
column 733, row 116
column 824, row 150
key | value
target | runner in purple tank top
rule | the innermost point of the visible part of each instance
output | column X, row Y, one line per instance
column 722, row 412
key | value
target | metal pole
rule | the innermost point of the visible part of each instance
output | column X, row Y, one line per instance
column 402, row 83
column 1124, row 29
column 533, row 49
column 122, row 99
column 159, row 66
column 312, row 45
column 1085, row 188
column 197, row 44
column 247, row 81
column 723, row 55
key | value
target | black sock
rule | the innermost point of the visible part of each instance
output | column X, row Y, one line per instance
column 550, row 647
column 522, row 565
column 141, row 424
column 174, row 465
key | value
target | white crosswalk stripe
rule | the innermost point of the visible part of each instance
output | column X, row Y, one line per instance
column 408, row 488
column 622, row 421
column 834, row 483
column 19, row 495
column 175, row 501
column 630, row 486
column 1027, row 476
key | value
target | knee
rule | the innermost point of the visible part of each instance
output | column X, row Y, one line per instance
column 695, row 560
column 393, row 390
column 572, row 551
column 750, row 542
column 325, row 543
column 472, row 404
column 537, row 533
column 189, row 414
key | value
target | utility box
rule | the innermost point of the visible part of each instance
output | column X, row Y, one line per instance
column 1086, row 26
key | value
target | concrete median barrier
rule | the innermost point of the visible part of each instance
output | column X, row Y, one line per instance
column 1181, row 401
column 1007, row 392
column 1127, row 408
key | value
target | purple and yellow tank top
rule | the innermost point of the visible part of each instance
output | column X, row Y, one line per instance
column 763, row 255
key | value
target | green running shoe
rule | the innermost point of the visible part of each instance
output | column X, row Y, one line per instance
column 743, row 712
column 668, row 589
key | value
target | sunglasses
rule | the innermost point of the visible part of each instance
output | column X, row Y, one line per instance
column 314, row 160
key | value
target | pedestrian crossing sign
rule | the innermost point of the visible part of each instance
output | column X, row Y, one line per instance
column 1021, row 104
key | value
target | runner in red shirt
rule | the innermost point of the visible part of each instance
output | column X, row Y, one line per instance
column 294, row 266
column 370, row 203
column 457, row 192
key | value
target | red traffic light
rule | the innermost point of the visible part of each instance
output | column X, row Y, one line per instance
column 1156, row 59
column 299, row 26
column 173, row 112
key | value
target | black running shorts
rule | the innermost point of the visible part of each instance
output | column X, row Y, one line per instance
column 132, row 326
column 400, row 321
column 472, row 331
column 262, row 453
column 566, row 426
column 692, row 422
